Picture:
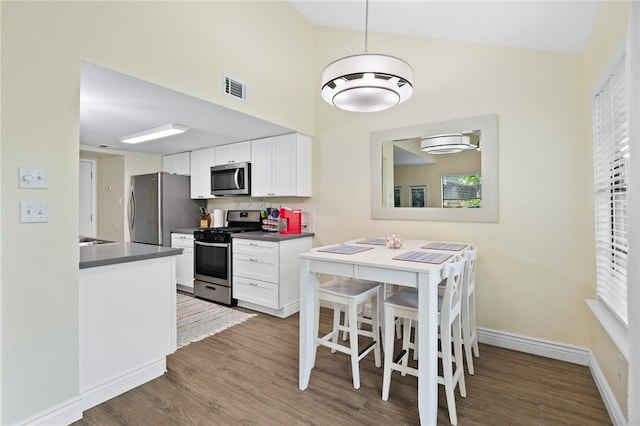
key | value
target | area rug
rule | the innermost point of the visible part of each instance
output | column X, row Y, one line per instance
column 198, row 319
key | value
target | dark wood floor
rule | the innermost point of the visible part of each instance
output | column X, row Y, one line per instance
column 248, row 375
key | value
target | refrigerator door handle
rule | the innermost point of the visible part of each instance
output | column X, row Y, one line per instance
column 131, row 210
column 161, row 196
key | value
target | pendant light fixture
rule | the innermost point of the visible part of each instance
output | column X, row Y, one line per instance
column 447, row 143
column 367, row 82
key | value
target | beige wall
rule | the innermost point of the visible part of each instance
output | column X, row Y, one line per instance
column 114, row 170
column 112, row 198
column 608, row 35
column 185, row 46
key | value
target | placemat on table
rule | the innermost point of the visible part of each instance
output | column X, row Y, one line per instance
column 445, row 246
column 422, row 257
column 373, row 242
column 345, row 249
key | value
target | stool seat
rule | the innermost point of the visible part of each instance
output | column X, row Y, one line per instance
column 350, row 293
column 349, row 288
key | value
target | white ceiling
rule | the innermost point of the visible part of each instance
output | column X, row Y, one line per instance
column 561, row 26
column 113, row 105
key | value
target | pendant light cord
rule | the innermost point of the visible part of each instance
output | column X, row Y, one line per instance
column 366, row 27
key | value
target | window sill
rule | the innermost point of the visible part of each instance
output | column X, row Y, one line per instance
column 611, row 325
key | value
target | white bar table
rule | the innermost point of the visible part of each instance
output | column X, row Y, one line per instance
column 377, row 264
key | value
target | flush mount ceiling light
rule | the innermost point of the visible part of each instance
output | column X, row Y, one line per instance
column 447, row 144
column 367, row 82
column 155, row 133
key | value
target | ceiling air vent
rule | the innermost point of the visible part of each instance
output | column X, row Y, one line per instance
column 234, row 88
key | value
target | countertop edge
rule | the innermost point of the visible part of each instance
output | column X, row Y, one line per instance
column 271, row 236
column 115, row 253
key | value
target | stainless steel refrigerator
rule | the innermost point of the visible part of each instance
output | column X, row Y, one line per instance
column 158, row 203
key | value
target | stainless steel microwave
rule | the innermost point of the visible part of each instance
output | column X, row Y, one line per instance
column 232, row 179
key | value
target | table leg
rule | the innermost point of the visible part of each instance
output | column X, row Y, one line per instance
column 308, row 283
column 427, row 350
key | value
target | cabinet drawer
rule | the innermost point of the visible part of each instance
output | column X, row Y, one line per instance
column 182, row 240
column 264, row 268
column 256, row 292
column 265, row 249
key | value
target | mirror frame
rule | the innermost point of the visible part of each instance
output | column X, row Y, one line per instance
column 488, row 126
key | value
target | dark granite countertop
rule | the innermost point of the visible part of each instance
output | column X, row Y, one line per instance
column 112, row 253
column 271, row 236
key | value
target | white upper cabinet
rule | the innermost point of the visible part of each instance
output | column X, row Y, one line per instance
column 281, row 166
column 233, row 153
column 201, row 162
column 178, row 164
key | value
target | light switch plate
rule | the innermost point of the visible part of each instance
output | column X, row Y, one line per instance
column 33, row 178
column 34, row 212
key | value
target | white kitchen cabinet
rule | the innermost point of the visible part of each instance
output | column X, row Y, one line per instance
column 127, row 326
column 201, row 162
column 184, row 262
column 178, row 164
column 266, row 274
column 233, row 153
column 281, row 166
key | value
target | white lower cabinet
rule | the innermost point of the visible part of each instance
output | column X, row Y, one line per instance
column 266, row 274
column 184, row 262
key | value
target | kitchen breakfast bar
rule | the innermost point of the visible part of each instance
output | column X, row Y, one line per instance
column 378, row 264
column 127, row 317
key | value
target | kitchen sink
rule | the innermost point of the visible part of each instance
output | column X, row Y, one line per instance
column 87, row 241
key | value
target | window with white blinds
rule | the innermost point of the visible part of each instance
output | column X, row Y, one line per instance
column 611, row 162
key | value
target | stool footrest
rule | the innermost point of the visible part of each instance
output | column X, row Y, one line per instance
column 367, row 349
column 399, row 356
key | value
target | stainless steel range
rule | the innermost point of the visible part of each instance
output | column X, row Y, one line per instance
column 212, row 256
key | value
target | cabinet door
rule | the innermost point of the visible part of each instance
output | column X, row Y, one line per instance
column 201, row 162
column 283, row 152
column 184, row 262
column 178, row 164
column 233, row 153
column 261, row 168
column 184, row 268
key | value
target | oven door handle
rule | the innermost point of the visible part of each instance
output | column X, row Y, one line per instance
column 200, row 243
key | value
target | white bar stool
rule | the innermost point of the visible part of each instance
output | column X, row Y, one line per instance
column 469, row 333
column 404, row 305
column 351, row 293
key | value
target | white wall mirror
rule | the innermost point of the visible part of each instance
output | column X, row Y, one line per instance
column 460, row 186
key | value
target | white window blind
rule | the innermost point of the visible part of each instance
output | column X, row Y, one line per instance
column 611, row 161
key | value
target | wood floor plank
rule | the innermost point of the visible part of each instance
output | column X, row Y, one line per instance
column 248, row 375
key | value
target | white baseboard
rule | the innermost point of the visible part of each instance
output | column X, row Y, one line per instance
column 61, row 414
column 560, row 351
column 71, row 410
column 118, row 385
column 285, row 312
column 546, row 348
column 610, row 402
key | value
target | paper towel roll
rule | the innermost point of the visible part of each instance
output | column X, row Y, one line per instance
column 218, row 218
